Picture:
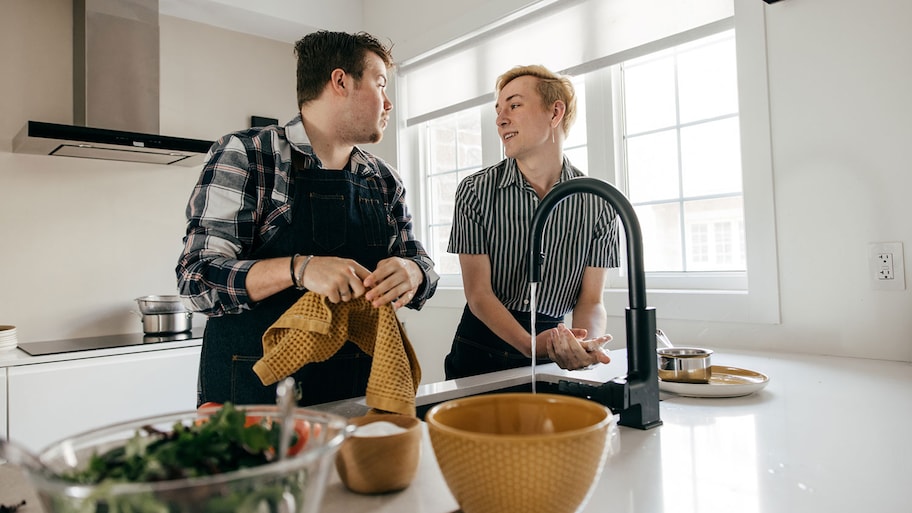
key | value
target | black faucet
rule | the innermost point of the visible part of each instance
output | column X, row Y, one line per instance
column 636, row 395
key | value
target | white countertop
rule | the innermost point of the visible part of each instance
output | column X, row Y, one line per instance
column 16, row 357
column 827, row 434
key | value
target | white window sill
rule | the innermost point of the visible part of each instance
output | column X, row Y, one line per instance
column 693, row 305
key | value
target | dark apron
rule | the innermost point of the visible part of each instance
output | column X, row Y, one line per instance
column 477, row 350
column 334, row 213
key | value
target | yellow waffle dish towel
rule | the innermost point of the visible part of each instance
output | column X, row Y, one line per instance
column 314, row 329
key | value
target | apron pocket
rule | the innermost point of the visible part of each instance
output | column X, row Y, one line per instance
column 377, row 227
column 245, row 385
column 330, row 220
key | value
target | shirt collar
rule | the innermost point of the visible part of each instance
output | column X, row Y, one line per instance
column 362, row 163
column 513, row 176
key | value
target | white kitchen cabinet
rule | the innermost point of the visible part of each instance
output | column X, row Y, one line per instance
column 3, row 403
column 49, row 401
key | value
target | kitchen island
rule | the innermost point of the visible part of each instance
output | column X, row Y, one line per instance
column 826, row 434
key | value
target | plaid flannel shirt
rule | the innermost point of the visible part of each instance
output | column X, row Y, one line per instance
column 244, row 195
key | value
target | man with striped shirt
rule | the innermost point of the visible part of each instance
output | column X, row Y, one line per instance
column 493, row 213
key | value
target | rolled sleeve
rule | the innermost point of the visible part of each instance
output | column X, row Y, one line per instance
column 221, row 213
column 428, row 286
column 406, row 245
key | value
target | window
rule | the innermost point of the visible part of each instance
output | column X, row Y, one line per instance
column 452, row 149
column 670, row 124
column 683, row 160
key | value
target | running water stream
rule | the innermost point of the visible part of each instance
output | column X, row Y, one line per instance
column 533, row 289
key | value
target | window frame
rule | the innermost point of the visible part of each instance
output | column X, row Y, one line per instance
column 733, row 281
column 716, row 296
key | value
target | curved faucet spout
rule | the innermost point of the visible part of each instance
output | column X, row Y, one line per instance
column 636, row 275
column 635, row 396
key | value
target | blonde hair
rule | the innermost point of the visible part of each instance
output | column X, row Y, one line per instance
column 551, row 87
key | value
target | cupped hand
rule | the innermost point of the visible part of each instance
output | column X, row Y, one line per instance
column 569, row 349
column 339, row 279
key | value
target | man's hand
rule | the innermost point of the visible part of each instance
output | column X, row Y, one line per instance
column 339, row 279
column 570, row 351
column 396, row 280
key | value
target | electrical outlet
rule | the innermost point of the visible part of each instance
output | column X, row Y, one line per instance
column 885, row 263
column 886, row 266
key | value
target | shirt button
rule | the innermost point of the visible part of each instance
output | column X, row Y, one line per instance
column 525, row 301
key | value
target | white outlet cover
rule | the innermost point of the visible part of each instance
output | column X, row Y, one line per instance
column 899, row 275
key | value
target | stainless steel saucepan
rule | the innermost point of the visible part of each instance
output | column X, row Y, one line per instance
column 683, row 364
column 174, row 322
column 164, row 314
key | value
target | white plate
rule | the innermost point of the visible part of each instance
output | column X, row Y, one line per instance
column 725, row 382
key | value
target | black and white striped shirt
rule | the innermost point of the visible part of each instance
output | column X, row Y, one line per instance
column 493, row 216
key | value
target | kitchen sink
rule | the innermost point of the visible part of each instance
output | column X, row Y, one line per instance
column 549, row 379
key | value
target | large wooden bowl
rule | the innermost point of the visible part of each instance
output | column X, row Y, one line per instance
column 535, row 453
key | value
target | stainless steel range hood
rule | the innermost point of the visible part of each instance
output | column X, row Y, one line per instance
column 115, row 91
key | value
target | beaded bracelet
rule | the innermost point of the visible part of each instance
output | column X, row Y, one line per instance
column 299, row 277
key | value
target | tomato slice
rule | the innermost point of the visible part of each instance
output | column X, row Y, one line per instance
column 302, row 434
column 208, row 407
column 302, row 428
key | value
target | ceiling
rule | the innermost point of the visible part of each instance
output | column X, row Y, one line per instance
column 281, row 20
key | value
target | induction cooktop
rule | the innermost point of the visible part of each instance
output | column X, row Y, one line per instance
column 105, row 342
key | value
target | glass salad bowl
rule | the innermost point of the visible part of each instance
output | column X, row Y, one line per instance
column 79, row 474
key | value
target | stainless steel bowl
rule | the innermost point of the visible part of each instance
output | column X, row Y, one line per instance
column 160, row 304
column 685, row 364
column 175, row 322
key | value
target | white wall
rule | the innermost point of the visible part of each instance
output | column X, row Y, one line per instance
column 80, row 239
column 840, row 111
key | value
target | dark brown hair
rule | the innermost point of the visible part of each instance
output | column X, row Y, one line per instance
column 319, row 53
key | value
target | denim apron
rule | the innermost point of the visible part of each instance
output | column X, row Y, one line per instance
column 334, row 213
column 477, row 350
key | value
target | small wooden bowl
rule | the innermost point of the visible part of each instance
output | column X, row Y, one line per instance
column 380, row 464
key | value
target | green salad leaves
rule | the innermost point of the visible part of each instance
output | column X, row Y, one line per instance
column 226, row 441
column 229, row 439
